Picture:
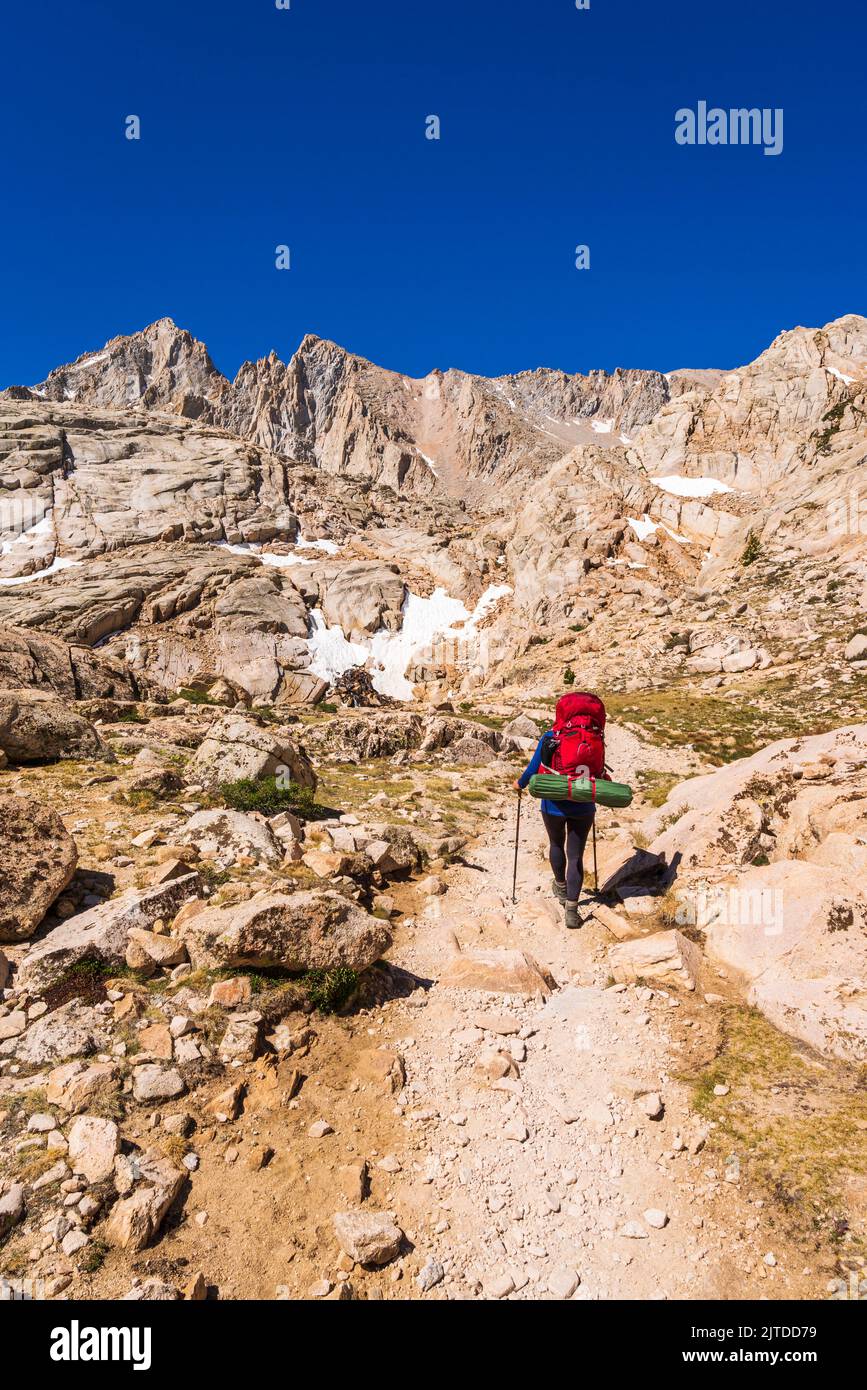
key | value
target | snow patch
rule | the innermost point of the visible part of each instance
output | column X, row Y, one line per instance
column 331, row 654
column 681, row 540
column 43, row 527
column 690, row 487
column 430, row 463
column 602, row 426
column 388, row 654
column 423, row 620
column 489, row 599
column 269, row 557
column 89, row 361
column 643, row 528
column 329, row 547
column 841, row 376
column 57, row 564
column 241, row 548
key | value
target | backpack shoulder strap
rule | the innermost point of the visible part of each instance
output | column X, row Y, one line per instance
column 549, row 743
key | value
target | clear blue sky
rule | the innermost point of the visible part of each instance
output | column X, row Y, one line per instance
column 306, row 127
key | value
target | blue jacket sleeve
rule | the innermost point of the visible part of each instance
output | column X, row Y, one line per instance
column 533, row 765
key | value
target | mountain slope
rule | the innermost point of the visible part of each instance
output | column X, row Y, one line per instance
column 328, row 407
column 619, row 553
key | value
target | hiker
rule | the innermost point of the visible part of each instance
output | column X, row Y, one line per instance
column 575, row 747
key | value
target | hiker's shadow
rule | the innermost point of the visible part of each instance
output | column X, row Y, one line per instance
column 655, row 886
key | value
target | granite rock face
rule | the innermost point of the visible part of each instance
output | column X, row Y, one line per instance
column 769, row 856
column 236, row 748
column 301, row 931
column 101, row 934
column 36, row 727
column 32, row 660
column 39, row 859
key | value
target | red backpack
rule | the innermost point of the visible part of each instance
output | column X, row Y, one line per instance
column 577, row 747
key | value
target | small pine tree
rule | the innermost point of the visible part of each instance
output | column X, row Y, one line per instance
column 751, row 550
column 568, row 676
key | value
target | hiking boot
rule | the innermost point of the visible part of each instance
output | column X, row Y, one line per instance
column 572, row 916
column 559, row 889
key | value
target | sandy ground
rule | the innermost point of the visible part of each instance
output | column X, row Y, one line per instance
column 568, row 1201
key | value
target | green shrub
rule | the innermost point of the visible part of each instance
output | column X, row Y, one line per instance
column 195, row 697
column 835, row 415
column 328, row 990
column 568, row 676
column 265, row 795
column 213, row 877
column 751, row 550
column 88, row 968
column 94, row 1257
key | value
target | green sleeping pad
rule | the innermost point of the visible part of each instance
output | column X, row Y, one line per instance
column 553, row 787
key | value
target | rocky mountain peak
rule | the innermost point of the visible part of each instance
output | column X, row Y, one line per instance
column 161, row 367
column 446, row 432
column 453, row 432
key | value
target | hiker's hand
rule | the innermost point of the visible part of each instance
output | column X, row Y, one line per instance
column 517, row 785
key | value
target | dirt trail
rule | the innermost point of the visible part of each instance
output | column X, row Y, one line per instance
column 567, row 1197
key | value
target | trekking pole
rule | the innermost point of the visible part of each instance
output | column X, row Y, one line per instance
column 517, row 830
column 595, row 870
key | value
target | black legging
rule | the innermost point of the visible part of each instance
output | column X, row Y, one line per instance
column 567, row 836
